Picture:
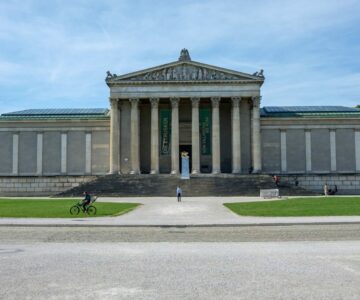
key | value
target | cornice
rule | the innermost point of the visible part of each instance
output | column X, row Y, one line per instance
column 184, row 82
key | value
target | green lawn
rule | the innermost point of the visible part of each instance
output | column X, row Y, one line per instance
column 298, row 207
column 57, row 208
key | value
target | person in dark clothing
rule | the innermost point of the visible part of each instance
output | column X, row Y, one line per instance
column 276, row 180
column 178, row 193
column 333, row 191
column 86, row 201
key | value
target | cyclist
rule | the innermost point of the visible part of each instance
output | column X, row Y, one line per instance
column 86, row 200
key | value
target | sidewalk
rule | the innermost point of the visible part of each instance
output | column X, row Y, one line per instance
column 192, row 211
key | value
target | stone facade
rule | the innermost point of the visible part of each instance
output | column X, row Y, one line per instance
column 52, row 148
column 44, row 185
column 185, row 87
column 346, row 184
column 311, row 146
column 321, row 143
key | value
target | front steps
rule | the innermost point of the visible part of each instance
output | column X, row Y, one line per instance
column 165, row 185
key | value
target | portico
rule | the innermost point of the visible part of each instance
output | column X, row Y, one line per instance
column 156, row 111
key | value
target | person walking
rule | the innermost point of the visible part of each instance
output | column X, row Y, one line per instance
column 178, row 193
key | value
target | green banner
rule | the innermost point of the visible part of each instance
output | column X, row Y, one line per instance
column 165, row 131
column 205, row 130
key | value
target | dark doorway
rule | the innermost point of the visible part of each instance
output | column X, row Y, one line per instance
column 186, row 148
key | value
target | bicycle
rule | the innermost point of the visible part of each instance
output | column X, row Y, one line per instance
column 89, row 209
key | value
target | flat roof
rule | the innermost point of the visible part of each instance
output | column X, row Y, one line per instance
column 309, row 112
column 57, row 113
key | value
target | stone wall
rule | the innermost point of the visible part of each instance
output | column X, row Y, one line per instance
column 292, row 146
column 54, row 147
column 35, row 186
column 346, row 184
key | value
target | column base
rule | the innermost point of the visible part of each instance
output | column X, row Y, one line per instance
column 216, row 172
column 135, row 172
column 174, row 172
column 114, row 172
column 256, row 171
column 236, row 171
column 154, row 172
column 195, row 172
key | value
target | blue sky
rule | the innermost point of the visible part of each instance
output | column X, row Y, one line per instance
column 56, row 53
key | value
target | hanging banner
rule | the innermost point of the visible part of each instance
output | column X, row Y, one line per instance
column 205, row 130
column 165, row 131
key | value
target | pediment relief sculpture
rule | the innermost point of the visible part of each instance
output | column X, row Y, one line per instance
column 184, row 70
column 181, row 73
column 185, row 73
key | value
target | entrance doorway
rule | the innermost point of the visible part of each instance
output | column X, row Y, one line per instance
column 186, row 148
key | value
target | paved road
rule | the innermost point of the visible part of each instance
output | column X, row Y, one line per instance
column 286, row 270
column 16, row 235
column 271, row 262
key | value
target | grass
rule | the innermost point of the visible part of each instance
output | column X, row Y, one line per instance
column 57, row 208
column 299, row 207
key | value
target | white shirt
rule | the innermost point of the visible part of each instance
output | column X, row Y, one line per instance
column 178, row 191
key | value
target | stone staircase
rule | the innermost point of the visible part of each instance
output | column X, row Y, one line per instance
column 198, row 185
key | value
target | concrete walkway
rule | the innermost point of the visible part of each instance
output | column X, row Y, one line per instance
column 166, row 211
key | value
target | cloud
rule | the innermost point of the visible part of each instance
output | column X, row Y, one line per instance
column 55, row 54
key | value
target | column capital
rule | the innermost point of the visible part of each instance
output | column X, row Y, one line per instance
column 235, row 101
column 154, row 102
column 113, row 100
column 134, row 101
column 195, row 102
column 174, row 102
column 215, row 101
column 256, row 101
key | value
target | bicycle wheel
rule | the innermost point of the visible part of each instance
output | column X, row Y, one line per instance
column 74, row 210
column 91, row 210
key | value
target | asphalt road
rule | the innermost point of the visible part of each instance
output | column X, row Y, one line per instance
column 271, row 262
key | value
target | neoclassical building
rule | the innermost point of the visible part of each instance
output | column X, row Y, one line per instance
column 210, row 112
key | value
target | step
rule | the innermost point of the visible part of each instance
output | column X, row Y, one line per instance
column 165, row 185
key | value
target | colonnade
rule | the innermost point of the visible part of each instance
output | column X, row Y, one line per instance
column 195, row 136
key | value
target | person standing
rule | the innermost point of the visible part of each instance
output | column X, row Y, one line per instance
column 276, row 180
column 178, row 193
column 326, row 189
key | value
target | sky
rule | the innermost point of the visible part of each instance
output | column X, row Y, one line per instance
column 55, row 54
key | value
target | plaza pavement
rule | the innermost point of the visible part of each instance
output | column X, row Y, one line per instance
column 166, row 211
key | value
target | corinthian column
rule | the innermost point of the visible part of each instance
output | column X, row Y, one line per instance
column 175, row 135
column 195, row 143
column 114, row 137
column 135, row 150
column 235, row 132
column 154, row 135
column 256, row 138
column 215, row 101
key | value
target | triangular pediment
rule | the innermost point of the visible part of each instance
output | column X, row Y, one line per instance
column 183, row 71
